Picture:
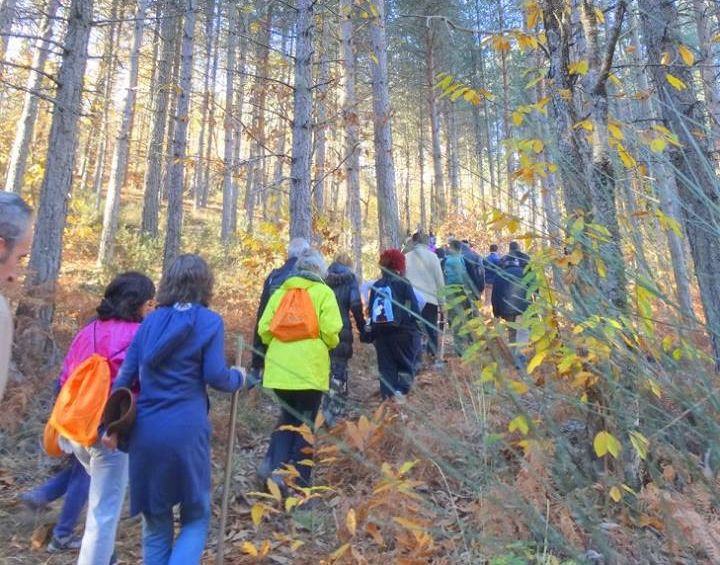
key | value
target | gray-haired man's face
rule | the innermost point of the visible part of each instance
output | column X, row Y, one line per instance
column 12, row 254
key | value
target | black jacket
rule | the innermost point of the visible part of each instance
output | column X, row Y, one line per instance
column 405, row 304
column 475, row 269
column 510, row 293
column 345, row 286
column 273, row 281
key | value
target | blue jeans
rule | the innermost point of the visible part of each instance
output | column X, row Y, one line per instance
column 108, row 471
column 158, row 530
column 288, row 447
column 73, row 483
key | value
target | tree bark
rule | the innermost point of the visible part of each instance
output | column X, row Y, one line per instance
column 300, row 197
column 439, row 203
column 198, row 190
column 322, row 117
column 26, row 125
column 382, row 125
column 7, row 16
column 118, row 172
column 708, row 73
column 179, row 146
column 351, row 130
column 696, row 181
column 153, row 172
column 226, row 229
column 46, row 254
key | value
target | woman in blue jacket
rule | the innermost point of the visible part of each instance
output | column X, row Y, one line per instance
column 176, row 354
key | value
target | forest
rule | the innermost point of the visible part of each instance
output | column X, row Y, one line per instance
column 586, row 131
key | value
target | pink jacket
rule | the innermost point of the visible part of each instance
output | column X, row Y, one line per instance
column 110, row 339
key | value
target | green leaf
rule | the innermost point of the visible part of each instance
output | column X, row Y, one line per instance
column 519, row 423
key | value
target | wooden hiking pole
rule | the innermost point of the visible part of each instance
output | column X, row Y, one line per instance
column 441, row 338
column 220, row 557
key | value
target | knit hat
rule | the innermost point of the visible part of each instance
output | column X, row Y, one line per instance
column 393, row 260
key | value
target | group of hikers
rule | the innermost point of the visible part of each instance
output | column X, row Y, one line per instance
column 131, row 402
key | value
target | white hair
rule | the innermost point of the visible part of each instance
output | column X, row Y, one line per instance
column 297, row 246
column 15, row 217
column 311, row 260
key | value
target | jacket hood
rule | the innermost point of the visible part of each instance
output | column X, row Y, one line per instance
column 302, row 279
column 338, row 275
column 174, row 325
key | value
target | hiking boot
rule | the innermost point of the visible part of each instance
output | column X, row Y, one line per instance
column 399, row 398
column 33, row 500
column 68, row 543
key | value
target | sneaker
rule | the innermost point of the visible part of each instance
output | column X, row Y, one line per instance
column 399, row 397
column 33, row 500
column 67, row 543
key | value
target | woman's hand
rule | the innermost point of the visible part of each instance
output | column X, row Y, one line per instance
column 110, row 441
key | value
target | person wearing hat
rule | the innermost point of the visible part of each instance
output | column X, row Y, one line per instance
column 394, row 316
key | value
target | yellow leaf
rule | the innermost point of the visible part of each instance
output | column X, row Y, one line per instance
column 675, row 82
column 517, row 118
column 339, row 552
column 535, row 362
column 405, row 467
column 587, row 125
column 601, row 269
column 274, row 489
column 249, row 548
column 686, row 55
column 374, row 10
column 291, row 502
column 640, row 443
column 533, row 14
column 615, row 494
column 579, row 68
column 519, row 423
column 409, row 524
column 538, row 145
column 615, row 80
column 604, row 443
column 374, row 58
column 351, row 521
column 615, row 131
column 519, row 387
column 665, row 58
column 627, row 159
column 599, row 15
column 264, row 549
column 256, row 513
column 658, row 145
column 715, row 38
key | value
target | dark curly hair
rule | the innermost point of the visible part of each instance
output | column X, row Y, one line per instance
column 124, row 297
column 188, row 280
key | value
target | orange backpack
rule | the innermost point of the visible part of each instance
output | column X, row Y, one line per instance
column 295, row 318
column 78, row 410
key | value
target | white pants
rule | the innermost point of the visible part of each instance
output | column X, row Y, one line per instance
column 108, row 472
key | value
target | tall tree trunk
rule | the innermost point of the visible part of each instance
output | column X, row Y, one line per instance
column 507, row 131
column 438, row 200
column 322, row 117
column 229, row 145
column 351, row 131
column 26, row 125
column 7, row 16
column 421, row 172
column 197, row 189
column 382, row 124
column 300, row 205
column 708, row 73
column 45, row 258
column 696, row 181
column 237, row 120
column 179, row 146
column 171, row 120
column 207, row 165
column 118, row 172
column 453, row 157
column 153, row 172
column 110, row 62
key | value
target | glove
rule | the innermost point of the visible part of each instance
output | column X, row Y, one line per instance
column 366, row 335
column 253, row 378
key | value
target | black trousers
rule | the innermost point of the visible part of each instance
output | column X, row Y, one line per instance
column 430, row 327
column 396, row 354
column 288, row 447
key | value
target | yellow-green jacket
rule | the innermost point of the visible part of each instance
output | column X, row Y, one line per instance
column 303, row 364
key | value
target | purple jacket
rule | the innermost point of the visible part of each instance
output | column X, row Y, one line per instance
column 111, row 339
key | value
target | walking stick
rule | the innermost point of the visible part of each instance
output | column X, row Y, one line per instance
column 441, row 337
column 220, row 557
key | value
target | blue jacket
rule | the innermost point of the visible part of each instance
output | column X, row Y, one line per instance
column 476, row 272
column 492, row 266
column 345, row 286
column 177, row 352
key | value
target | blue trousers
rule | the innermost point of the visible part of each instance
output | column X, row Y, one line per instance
column 73, row 482
column 288, row 447
column 159, row 544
